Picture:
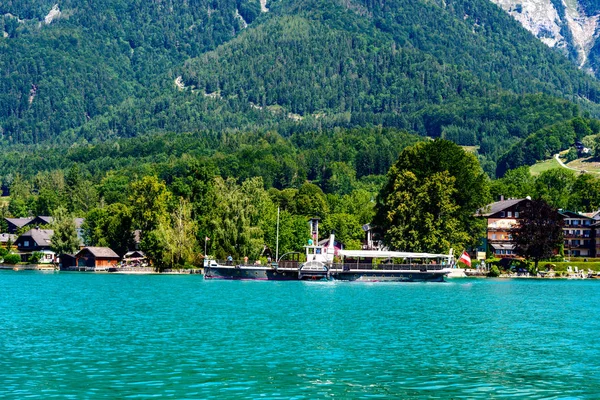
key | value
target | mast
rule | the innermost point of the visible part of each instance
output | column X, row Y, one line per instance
column 277, row 239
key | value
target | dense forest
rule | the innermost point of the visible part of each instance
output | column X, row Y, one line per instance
column 92, row 72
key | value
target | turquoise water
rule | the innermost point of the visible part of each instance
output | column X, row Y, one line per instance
column 77, row 335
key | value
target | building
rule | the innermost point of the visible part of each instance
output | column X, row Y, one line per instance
column 502, row 216
column 36, row 240
column 14, row 224
column 6, row 239
column 96, row 258
column 579, row 236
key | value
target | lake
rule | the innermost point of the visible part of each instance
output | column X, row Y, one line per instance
column 78, row 335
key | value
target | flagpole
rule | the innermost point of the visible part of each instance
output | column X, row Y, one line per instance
column 277, row 240
column 205, row 241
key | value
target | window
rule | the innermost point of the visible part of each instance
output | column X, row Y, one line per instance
column 48, row 256
column 493, row 236
column 509, row 214
column 25, row 243
column 516, row 214
column 502, row 214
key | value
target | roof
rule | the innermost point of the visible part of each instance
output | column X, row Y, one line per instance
column 498, row 206
column 100, row 252
column 45, row 219
column 20, row 222
column 5, row 237
column 134, row 254
column 40, row 236
column 79, row 222
column 575, row 214
column 386, row 254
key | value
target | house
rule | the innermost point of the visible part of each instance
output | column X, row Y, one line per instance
column 135, row 258
column 14, row 224
column 36, row 240
column 579, row 236
column 6, row 239
column 502, row 216
column 40, row 220
column 97, row 258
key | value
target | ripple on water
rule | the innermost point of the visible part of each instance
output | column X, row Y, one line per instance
column 104, row 336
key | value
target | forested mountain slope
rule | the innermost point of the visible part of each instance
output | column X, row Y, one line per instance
column 100, row 70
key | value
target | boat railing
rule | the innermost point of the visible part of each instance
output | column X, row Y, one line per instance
column 244, row 262
column 388, row 267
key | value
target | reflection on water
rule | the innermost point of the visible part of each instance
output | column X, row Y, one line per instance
column 77, row 335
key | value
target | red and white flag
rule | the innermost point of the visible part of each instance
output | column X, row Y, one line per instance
column 465, row 259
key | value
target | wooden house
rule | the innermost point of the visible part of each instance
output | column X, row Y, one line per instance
column 96, row 258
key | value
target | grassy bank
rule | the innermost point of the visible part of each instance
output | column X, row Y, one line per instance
column 562, row 266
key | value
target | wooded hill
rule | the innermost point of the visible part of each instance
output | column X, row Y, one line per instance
column 104, row 70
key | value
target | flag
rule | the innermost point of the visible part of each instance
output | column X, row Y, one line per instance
column 465, row 259
column 207, row 238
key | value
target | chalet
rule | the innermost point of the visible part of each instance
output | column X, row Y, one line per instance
column 36, row 240
column 14, row 224
column 502, row 216
column 96, row 258
column 579, row 235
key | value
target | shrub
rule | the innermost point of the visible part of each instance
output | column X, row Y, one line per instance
column 12, row 258
column 494, row 272
column 35, row 257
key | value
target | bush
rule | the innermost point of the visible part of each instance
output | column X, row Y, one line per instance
column 35, row 257
column 494, row 272
column 12, row 258
column 3, row 252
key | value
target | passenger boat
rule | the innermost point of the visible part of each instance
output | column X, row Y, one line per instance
column 374, row 265
column 326, row 262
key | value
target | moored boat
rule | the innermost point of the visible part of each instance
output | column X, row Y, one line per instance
column 213, row 269
column 376, row 265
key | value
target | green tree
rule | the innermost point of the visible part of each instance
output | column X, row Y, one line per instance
column 178, row 235
column 64, row 239
column 20, row 193
column 149, row 200
column 539, row 231
column 110, row 226
column 235, row 219
column 555, row 186
column 431, row 194
column 311, row 201
column 585, row 194
column 516, row 183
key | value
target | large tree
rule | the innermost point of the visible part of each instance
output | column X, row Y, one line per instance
column 64, row 239
column 539, row 231
column 431, row 194
column 178, row 236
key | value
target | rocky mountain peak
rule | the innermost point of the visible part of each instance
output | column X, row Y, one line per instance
column 571, row 26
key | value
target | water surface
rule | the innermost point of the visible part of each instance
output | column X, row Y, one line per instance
column 78, row 335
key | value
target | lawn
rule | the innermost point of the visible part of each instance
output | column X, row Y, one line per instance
column 590, row 164
column 542, row 166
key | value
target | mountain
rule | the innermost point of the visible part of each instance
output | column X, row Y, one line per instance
column 572, row 27
column 91, row 71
